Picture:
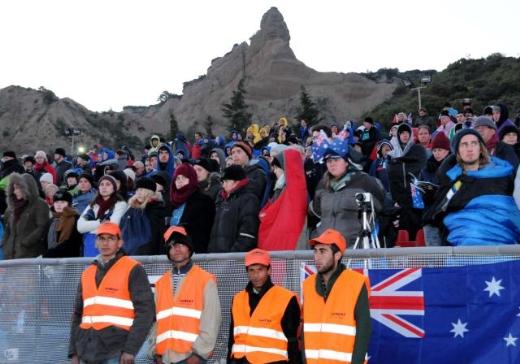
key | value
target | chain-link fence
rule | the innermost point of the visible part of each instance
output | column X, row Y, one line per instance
column 37, row 295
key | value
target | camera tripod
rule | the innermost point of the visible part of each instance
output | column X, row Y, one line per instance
column 365, row 237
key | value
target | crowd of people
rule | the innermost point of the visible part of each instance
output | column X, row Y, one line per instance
column 450, row 180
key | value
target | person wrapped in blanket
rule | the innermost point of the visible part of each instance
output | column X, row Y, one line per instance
column 474, row 203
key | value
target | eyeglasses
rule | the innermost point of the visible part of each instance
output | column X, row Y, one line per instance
column 108, row 239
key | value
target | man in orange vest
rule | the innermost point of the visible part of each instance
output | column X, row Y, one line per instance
column 336, row 315
column 114, row 307
column 264, row 318
column 187, row 305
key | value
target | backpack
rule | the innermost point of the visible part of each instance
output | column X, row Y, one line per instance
column 136, row 229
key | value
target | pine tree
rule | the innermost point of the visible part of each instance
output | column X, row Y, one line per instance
column 174, row 127
column 308, row 109
column 236, row 111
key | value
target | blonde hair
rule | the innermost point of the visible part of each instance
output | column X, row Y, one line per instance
column 484, row 157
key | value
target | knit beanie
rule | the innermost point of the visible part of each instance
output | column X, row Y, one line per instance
column 234, row 173
column 441, row 141
column 46, row 177
column 456, row 139
column 110, row 179
column 146, row 183
column 245, row 147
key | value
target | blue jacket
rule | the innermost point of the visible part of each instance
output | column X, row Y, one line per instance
column 487, row 219
column 81, row 200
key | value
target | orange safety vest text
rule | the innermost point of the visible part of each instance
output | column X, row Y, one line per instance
column 330, row 327
column 109, row 304
column 260, row 337
column 178, row 315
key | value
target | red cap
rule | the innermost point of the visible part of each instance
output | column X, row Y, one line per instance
column 329, row 237
column 258, row 256
column 108, row 228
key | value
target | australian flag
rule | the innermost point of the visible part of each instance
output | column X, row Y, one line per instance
column 467, row 314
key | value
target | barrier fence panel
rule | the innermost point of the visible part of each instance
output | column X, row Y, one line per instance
column 37, row 295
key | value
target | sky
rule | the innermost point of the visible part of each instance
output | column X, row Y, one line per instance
column 106, row 54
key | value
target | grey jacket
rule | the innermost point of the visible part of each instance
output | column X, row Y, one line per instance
column 337, row 207
column 24, row 238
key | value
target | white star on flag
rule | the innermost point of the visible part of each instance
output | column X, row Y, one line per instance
column 518, row 314
column 493, row 287
column 510, row 340
column 459, row 328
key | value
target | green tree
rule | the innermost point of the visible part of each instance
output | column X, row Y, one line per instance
column 308, row 109
column 237, row 110
column 174, row 126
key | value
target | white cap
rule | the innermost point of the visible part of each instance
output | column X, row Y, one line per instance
column 46, row 177
column 130, row 173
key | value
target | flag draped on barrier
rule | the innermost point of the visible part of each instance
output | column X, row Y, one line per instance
column 465, row 314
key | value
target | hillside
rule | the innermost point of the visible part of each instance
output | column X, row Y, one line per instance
column 485, row 81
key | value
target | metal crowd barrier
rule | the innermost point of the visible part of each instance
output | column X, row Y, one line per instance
column 37, row 295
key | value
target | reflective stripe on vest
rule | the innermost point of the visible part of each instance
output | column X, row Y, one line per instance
column 329, row 326
column 259, row 337
column 109, row 304
column 178, row 314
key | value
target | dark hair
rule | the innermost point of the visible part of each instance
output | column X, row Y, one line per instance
column 325, row 128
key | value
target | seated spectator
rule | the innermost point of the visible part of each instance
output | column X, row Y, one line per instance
column 25, row 218
column 488, row 130
column 474, row 203
column 49, row 192
column 500, row 115
column 42, row 166
column 61, row 165
column 219, row 156
column 107, row 205
column 191, row 208
column 143, row 223
column 70, row 181
column 62, row 239
column 335, row 202
column 407, row 158
column 282, row 219
column 138, row 168
column 424, row 138
column 83, row 163
column 379, row 167
column 208, row 177
column 510, row 135
column 241, row 153
column 424, row 119
column 235, row 227
column 9, row 166
column 45, row 180
column 85, row 193
column 445, row 123
column 121, row 183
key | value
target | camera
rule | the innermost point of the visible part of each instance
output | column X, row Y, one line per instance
column 363, row 198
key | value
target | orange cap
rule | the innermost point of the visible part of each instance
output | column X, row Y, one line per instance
column 174, row 229
column 258, row 256
column 108, row 228
column 329, row 237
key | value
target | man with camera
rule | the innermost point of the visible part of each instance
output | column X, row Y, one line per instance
column 335, row 200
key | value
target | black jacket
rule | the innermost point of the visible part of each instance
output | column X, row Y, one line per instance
column 97, row 345
column 235, row 228
column 257, row 181
column 197, row 218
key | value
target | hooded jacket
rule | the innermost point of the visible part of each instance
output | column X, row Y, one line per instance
column 504, row 118
column 24, row 238
column 168, row 167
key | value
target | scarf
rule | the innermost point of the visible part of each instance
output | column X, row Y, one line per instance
column 240, row 184
column 19, row 207
column 66, row 224
column 105, row 205
column 180, row 196
column 492, row 143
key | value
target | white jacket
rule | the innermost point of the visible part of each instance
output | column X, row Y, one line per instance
column 86, row 226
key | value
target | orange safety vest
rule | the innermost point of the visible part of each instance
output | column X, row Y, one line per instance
column 109, row 304
column 178, row 316
column 260, row 337
column 329, row 326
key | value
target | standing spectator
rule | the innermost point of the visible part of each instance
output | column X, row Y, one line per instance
column 488, row 130
column 143, row 223
column 241, row 154
column 369, row 136
column 166, row 161
column 208, row 177
column 139, row 170
column 445, row 123
column 107, row 205
column 42, row 166
column 62, row 238
column 191, row 208
column 85, row 194
column 335, row 202
column 45, row 180
column 61, row 165
column 70, row 181
column 25, row 218
column 219, row 156
column 10, row 165
column 303, row 131
column 425, row 119
column 188, row 306
column 379, row 167
column 236, row 220
column 474, row 203
column 197, row 145
column 424, row 138
column 336, row 314
column 114, row 307
column 500, row 115
column 83, row 162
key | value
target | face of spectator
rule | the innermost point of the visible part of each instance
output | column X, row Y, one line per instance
column 385, row 149
column 72, row 181
column 239, row 157
column 510, row 138
column 181, row 181
column 81, row 162
column 334, row 129
column 404, row 137
column 153, row 162
column 18, row 193
column 336, row 167
column 60, row 205
column 393, row 131
column 485, row 132
column 258, row 275
column 324, row 259
column 496, row 116
column 469, row 149
column 423, row 136
column 108, row 245
column 148, row 165
column 214, row 156
column 439, row 154
column 28, row 166
column 142, row 194
column 84, row 185
column 303, row 123
column 202, row 174
column 179, row 253
column 460, row 118
column 58, row 158
column 106, row 189
column 44, row 184
column 367, row 125
column 164, row 156
column 198, row 137
column 445, row 120
column 39, row 159
column 139, row 169
column 422, row 113
column 228, row 185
